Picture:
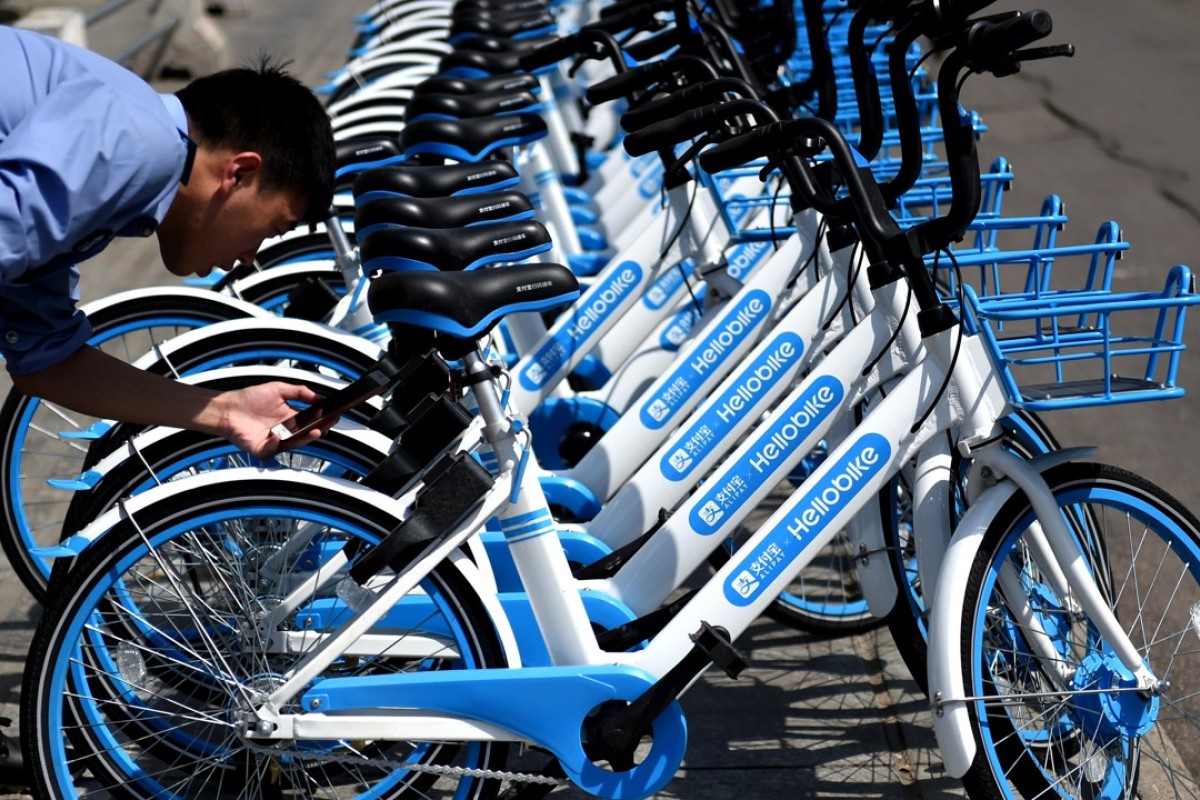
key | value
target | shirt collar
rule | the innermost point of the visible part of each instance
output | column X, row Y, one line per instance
column 179, row 117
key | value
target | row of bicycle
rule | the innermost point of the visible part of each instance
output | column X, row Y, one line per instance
column 568, row 374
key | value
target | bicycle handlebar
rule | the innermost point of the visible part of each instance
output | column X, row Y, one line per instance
column 642, row 77
column 669, row 132
column 989, row 42
column 590, row 43
column 683, row 100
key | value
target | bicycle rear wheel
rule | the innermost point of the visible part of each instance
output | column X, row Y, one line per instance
column 32, row 448
column 150, row 652
column 1086, row 735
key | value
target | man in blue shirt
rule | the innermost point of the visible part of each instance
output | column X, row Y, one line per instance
column 89, row 151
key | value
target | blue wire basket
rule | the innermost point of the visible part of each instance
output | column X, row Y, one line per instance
column 1060, row 349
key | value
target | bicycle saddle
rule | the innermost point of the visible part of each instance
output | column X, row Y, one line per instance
column 467, row 304
column 365, row 151
column 502, row 25
column 452, row 249
column 462, row 106
column 470, row 140
column 478, row 63
column 492, row 6
column 441, row 84
column 430, row 180
column 502, row 44
column 440, row 212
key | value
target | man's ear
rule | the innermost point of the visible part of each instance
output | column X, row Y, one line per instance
column 242, row 168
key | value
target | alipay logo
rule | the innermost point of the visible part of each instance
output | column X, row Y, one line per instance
column 711, row 512
column 680, row 460
column 535, row 373
column 659, row 410
column 745, row 583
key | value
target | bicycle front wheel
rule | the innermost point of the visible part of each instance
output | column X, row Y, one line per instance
column 154, row 644
column 1065, row 719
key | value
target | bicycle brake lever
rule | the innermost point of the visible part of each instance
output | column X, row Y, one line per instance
column 1038, row 53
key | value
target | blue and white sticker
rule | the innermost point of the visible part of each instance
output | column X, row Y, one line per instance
column 773, row 364
column 731, row 329
column 810, row 516
column 728, row 492
column 579, row 325
column 745, row 257
column 676, row 331
column 666, row 287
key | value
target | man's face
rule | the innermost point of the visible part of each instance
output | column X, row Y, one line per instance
column 222, row 218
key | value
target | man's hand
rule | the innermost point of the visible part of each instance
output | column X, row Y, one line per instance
column 95, row 383
column 248, row 415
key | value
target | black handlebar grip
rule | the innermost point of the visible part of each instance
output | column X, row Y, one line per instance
column 670, row 132
column 664, row 134
column 655, row 45
column 677, row 102
column 742, row 149
column 630, row 18
column 987, row 41
column 632, row 80
column 557, row 50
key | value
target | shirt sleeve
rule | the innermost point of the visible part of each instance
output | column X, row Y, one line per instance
column 39, row 323
column 86, row 159
column 79, row 163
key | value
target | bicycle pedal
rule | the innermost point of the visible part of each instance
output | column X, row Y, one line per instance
column 716, row 644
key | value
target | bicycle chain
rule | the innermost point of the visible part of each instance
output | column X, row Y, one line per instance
column 434, row 769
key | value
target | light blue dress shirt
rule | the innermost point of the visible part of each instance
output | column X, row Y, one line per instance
column 88, row 151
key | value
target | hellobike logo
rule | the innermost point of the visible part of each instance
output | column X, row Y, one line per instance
column 750, row 387
column 761, row 461
column 835, row 490
column 727, row 333
column 601, row 301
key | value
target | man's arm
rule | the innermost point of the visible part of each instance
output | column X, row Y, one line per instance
column 94, row 383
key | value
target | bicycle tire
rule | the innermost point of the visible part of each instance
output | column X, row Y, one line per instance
column 28, row 424
column 1035, row 737
column 305, row 347
column 270, row 289
column 119, row 700
column 184, row 453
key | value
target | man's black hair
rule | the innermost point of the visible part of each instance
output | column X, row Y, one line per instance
column 264, row 109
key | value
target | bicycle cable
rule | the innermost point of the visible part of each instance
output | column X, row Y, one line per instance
column 957, row 342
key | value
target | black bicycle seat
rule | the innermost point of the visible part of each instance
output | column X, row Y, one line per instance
column 470, row 140
column 467, row 304
column 428, row 180
column 365, row 151
column 496, row 63
column 500, row 24
column 440, row 212
column 442, row 84
column 465, row 106
column 452, row 249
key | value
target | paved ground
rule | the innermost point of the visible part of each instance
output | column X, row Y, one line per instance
column 1112, row 131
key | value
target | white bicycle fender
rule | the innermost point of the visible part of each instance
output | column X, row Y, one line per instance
column 865, row 532
column 164, row 293
column 951, row 723
column 76, row 544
